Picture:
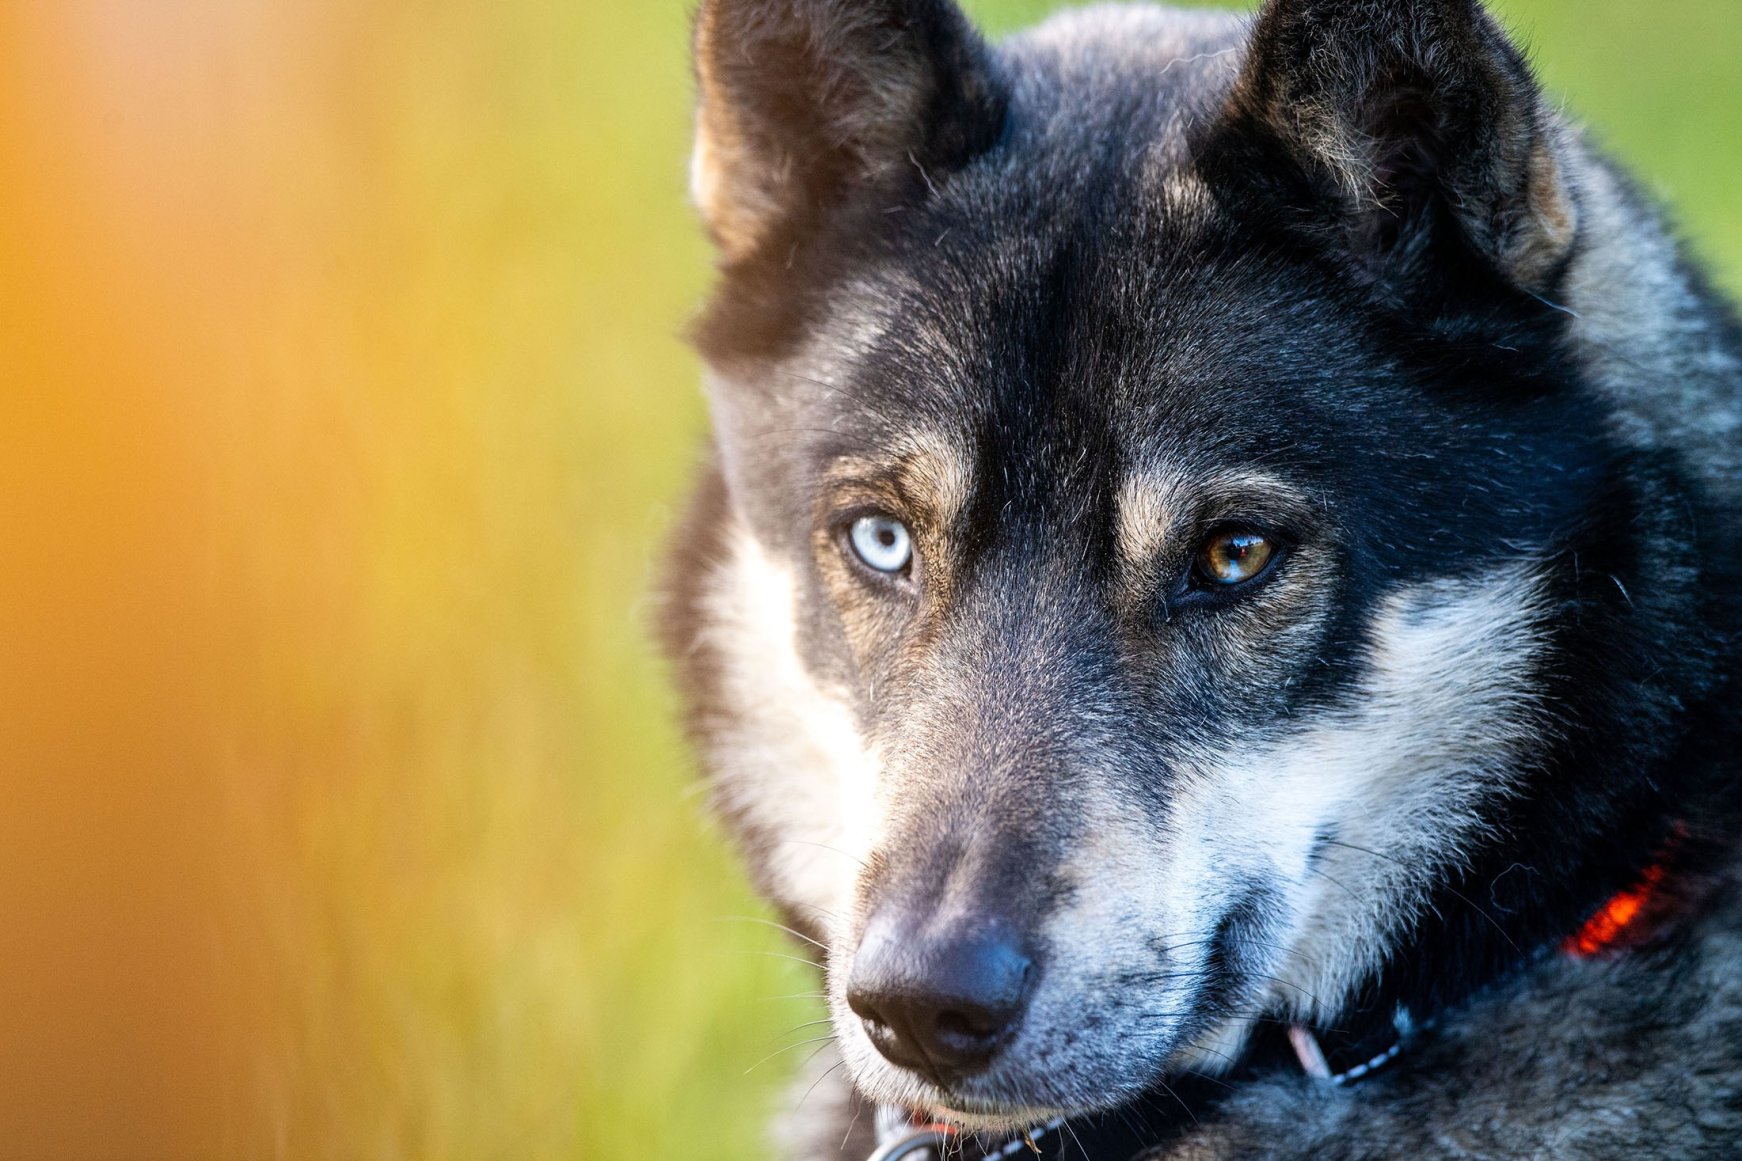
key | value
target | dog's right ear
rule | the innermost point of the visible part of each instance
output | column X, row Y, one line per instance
column 804, row 100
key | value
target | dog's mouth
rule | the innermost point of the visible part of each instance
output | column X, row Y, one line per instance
column 1039, row 1078
column 1048, row 1084
column 981, row 1027
column 986, row 1119
column 999, row 1108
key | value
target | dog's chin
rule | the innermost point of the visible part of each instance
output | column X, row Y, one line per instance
column 995, row 1122
column 992, row 1118
column 997, row 1103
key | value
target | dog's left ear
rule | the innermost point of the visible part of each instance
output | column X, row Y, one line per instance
column 1414, row 119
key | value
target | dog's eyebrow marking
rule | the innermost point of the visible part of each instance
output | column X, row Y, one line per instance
column 928, row 468
column 1149, row 506
column 938, row 467
column 1153, row 504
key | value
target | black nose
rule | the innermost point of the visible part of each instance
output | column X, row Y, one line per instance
column 940, row 1003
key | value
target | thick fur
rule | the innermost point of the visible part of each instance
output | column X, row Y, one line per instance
column 1064, row 307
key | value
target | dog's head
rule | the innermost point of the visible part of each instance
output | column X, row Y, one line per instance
column 1149, row 466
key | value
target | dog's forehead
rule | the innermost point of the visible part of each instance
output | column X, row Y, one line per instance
column 1142, row 347
column 1080, row 282
column 1136, row 67
column 1077, row 313
column 1140, row 330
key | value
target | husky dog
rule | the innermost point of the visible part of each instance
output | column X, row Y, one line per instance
column 1214, row 602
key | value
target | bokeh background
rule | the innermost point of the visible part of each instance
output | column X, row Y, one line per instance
column 342, row 411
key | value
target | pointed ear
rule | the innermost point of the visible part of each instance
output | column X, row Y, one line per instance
column 1417, row 119
column 802, row 100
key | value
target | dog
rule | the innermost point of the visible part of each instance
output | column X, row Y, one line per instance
column 1212, row 609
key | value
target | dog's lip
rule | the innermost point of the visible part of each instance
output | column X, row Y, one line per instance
column 969, row 1112
column 989, row 1116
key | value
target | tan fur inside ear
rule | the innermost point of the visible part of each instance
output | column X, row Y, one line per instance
column 724, row 180
column 1528, row 247
column 868, row 89
column 735, row 200
column 1544, row 235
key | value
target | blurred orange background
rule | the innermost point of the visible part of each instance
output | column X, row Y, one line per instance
column 342, row 409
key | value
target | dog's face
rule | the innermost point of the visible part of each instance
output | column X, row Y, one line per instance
column 1146, row 449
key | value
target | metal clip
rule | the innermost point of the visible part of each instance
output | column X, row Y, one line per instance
column 924, row 1141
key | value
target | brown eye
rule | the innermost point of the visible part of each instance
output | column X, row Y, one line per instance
column 1234, row 556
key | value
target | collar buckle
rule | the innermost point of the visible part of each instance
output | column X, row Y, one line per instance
column 928, row 1141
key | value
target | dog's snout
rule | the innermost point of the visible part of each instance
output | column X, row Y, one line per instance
column 941, row 1003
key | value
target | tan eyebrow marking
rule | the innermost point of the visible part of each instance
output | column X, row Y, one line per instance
column 936, row 470
column 928, row 469
column 1152, row 504
column 1149, row 507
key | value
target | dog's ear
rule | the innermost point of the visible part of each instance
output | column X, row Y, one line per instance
column 1413, row 120
column 804, row 100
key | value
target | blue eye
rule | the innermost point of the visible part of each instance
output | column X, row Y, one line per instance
column 882, row 543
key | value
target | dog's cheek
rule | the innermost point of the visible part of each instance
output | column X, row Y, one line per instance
column 790, row 767
column 1354, row 817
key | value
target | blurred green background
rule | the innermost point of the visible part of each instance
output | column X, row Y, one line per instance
column 411, row 275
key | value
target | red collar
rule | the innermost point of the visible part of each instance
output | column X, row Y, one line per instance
column 1631, row 915
column 1619, row 922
